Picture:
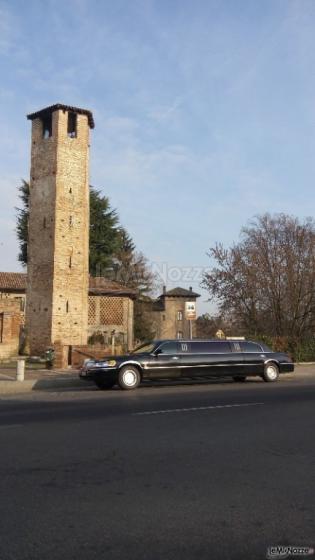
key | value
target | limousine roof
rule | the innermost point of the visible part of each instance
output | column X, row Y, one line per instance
column 204, row 340
column 264, row 346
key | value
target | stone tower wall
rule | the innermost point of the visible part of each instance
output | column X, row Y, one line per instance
column 57, row 292
column 167, row 323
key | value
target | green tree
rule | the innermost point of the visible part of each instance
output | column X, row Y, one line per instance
column 22, row 221
column 143, row 323
column 105, row 237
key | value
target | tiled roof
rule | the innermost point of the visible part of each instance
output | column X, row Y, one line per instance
column 57, row 106
column 181, row 292
column 101, row 285
column 16, row 282
column 13, row 281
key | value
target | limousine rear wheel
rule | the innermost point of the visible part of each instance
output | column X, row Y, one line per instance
column 129, row 378
column 271, row 372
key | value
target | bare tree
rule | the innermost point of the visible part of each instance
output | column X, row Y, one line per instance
column 267, row 280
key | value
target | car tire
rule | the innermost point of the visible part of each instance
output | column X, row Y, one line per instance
column 104, row 384
column 129, row 378
column 271, row 372
column 239, row 378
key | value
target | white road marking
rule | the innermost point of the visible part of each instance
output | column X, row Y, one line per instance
column 193, row 409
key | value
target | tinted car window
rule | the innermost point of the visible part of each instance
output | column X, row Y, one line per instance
column 219, row 347
column 168, row 348
column 207, row 347
column 236, row 347
column 149, row 347
column 184, row 347
column 265, row 348
column 199, row 347
column 250, row 347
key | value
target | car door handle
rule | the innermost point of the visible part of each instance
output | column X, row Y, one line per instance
column 175, row 358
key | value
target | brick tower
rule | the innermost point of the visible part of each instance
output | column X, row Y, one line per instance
column 58, row 249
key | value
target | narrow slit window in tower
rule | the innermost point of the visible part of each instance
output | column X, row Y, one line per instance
column 67, row 306
column 72, row 125
column 70, row 262
column 47, row 125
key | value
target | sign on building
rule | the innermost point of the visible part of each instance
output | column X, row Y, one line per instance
column 190, row 310
column 220, row 334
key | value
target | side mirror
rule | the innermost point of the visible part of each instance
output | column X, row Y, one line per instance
column 157, row 352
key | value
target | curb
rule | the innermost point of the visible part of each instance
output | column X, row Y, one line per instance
column 20, row 387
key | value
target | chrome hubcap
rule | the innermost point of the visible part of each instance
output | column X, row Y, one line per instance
column 129, row 378
column 271, row 372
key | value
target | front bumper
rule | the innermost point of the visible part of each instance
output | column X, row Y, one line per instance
column 286, row 367
column 85, row 374
column 103, row 373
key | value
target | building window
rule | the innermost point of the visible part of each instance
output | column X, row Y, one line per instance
column 179, row 334
column 70, row 221
column 1, row 326
column 67, row 307
column 179, row 315
column 70, row 262
column 21, row 300
column 72, row 125
column 163, row 317
column 47, row 126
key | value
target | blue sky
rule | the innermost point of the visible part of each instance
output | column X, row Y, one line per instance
column 204, row 111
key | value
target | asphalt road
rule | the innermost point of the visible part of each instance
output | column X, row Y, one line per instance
column 211, row 471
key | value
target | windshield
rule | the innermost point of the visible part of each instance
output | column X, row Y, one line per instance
column 147, row 347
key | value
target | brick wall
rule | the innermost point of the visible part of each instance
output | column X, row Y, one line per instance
column 11, row 320
column 111, row 313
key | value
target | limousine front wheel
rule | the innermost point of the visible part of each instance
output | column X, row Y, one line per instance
column 271, row 372
column 129, row 378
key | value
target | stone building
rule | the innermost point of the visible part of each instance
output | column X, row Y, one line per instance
column 168, row 313
column 58, row 249
column 110, row 312
column 12, row 306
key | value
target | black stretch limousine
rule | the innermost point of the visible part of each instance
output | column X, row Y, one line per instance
column 169, row 359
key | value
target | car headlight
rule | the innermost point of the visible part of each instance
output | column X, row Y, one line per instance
column 108, row 363
column 87, row 365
